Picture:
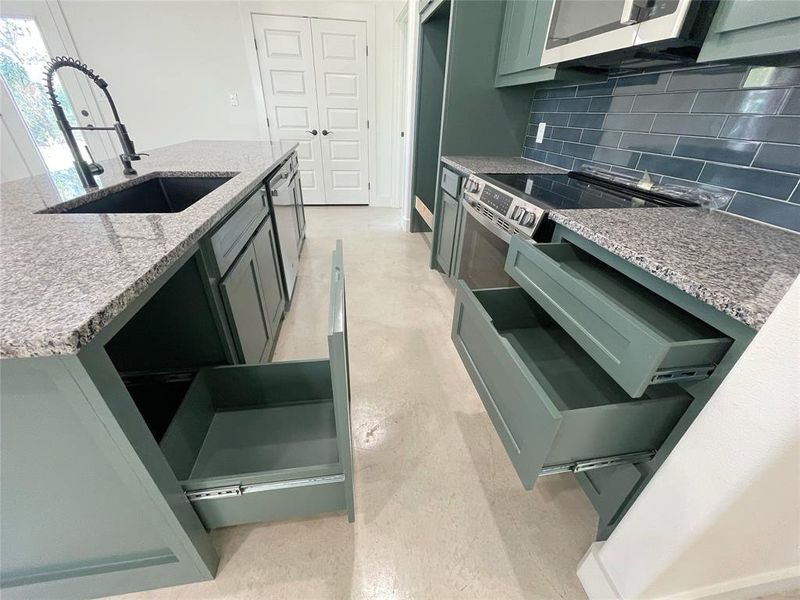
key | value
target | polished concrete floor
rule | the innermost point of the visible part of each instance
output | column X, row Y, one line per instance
column 440, row 512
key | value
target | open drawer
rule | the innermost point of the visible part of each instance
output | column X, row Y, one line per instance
column 553, row 407
column 255, row 443
column 637, row 336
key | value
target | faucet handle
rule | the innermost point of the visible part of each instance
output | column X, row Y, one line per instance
column 95, row 168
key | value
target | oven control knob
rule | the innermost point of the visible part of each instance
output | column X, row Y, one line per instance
column 527, row 219
column 517, row 213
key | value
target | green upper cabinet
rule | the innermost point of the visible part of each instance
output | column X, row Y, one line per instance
column 520, row 56
column 761, row 31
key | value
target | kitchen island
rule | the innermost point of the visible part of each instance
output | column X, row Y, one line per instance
column 140, row 407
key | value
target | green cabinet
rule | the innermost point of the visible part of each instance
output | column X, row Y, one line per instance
column 446, row 232
column 763, row 32
column 267, row 260
column 520, row 57
column 242, row 293
column 552, row 406
column 635, row 335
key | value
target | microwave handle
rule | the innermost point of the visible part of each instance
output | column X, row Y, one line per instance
column 630, row 12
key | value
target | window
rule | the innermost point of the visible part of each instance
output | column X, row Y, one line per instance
column 23, row 58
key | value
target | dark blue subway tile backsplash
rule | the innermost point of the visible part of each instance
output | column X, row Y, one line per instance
column 731, row 128
column 763, row 129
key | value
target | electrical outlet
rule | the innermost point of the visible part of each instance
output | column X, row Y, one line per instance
column 234, row 99
column 540, row 132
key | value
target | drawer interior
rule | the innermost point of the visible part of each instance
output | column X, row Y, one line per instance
column 670, row 321
column 571, row 378
column 237, row 421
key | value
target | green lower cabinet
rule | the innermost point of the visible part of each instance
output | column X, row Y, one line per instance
column 114, row 466
column 552, row 406
column 520, row 57
column 762, row 32
column 446, row 230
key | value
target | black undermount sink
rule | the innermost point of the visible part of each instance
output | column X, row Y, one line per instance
column 157, row 195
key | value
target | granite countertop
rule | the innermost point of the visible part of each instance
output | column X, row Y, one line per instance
column 740, row 267
column 63, row 277
column 498, row 164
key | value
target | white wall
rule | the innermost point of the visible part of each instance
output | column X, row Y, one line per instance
column 12, row 165
column 723, row 511
column 172, row 65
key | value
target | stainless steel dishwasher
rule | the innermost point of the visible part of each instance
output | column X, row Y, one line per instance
column 284, row 188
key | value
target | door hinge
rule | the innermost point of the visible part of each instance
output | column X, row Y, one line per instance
column 369, row 185
column 367, row 49
column 367, row 123
column 255, row 43
column 267, row 121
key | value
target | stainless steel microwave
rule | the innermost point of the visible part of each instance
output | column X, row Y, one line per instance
column 583, row 28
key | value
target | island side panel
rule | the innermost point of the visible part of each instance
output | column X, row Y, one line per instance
column 81, row 516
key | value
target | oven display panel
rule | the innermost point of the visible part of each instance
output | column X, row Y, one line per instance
column 495, row 199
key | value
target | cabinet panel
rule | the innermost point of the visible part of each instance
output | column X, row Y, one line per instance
column 241, row 292
column 742, row 28
column 517, row 52
column 269, row 271
column 446, row 232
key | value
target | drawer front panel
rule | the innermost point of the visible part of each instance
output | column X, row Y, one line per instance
column 523, row 415
column 232, row 236
column 340, row 373
column 628, row 352
column 451, row 182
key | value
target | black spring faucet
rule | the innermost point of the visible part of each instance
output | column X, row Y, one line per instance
column 87, row 171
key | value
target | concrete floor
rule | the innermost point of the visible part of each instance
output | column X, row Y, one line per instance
column 440, row 512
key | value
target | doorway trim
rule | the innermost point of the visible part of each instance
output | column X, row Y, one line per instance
column 342, row 11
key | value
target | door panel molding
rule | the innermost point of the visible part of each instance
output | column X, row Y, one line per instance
column 341, row 11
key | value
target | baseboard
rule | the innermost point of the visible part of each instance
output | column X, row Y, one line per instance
column 598, row 585
column 406, row 223
column 593, row 577
column 745, row 588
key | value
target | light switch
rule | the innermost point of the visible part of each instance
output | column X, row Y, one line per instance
column 540, row 132
column 234, row 99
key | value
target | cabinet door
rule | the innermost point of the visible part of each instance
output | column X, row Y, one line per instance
column 241, row 292
column 270, row 274
column 743, row 28
column 446, row 232
column 517, row 50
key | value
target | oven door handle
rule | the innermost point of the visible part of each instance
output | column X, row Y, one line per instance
column 488, row 223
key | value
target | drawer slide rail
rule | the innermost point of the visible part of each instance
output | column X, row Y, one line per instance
column 599, row 463
column 238, row 490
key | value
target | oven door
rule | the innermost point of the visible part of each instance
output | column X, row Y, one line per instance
column 483, row 252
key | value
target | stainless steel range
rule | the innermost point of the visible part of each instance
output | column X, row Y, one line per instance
column 499, row 205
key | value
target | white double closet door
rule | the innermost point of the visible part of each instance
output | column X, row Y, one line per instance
column 314, row 77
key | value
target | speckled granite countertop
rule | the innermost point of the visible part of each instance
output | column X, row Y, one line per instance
column 63, row 277
column 498, row 164
column 739, row 267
